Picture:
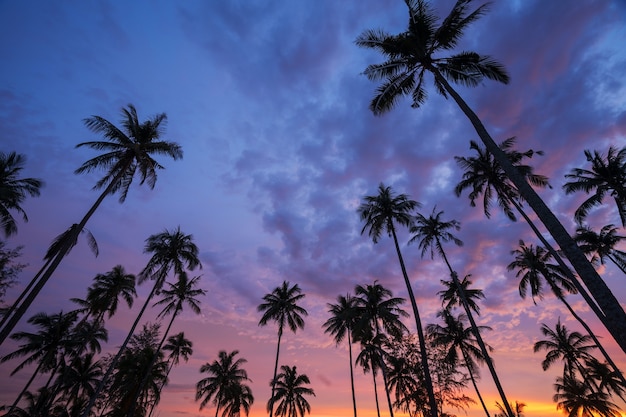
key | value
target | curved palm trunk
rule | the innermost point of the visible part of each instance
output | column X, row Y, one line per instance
column 473, row 379
column 579, row 287
column 63, row 250
column 280, row 334
column 420, row 333
column 375, row 389
column 351, row 373
column 113, row 363
column 383, row 370
column 615, row 315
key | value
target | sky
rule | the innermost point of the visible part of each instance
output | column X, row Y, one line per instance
column 270, row 105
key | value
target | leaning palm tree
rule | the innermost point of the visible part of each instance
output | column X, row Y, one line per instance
column 455, row 338
column 226, row 377
column 290, row 393
column 431, row 232
column 412, row 54
column 14, row 190
column 607, row 176
column 381, row 213
column 341, row 324
column 533, row 267
column 127, row 153
column 281, row 306
column 576, row 398
column 171, row 250
column 601, row 245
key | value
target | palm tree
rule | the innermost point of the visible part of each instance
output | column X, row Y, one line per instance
column 14, row 190
column 607, row 176
column 290, row 393
column 601, row 245
column 370, row 357
column 518, row 407
column 456, row 338
column 281, row 306
column 42, row 347
column 431, row 232
column 380, row 213
column 341, row 324
column 226, row 377
column 412, row 54
column 170, row 250
column 576, row 398
column 532, row 264
column 450, row 294
column 79, row 380
column 127, row 153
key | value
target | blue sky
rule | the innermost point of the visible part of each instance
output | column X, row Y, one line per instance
column 268, row 101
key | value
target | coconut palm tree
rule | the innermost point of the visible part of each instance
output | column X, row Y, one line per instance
column 225, row 385
column 290, row 393
column 532, row 265
column 171, row 250
column 576, row 398
column 14, row 190
column 458, row 339
column 128, row 152
column 601, row 245
column 432, row 232
column 381, row 213
column 281, row 307
column 340, row 325
column 370, row 358
column 450, row 294
column 78, row 380
column 607, row 176
column 412, row 54
column 402, row 379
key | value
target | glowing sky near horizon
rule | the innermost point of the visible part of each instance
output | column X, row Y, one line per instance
column 270, row 107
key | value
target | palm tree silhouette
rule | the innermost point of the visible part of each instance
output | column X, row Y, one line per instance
column 576, row 398
column 127, row 153
column 431, row 232
column 607, row 176
column 413, row 53
column 340, row 325
column 290, row 393
column 226, row 377
column 281, row 307
column 14, row 190
column 456, row 338
column 380, row 213
column 601, row 245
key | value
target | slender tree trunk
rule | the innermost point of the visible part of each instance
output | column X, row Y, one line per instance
column 63, row 250
column 383, row 370
column 113, row 363
column 30, row 381
column 420, row 333
column 473, row 379
column 271, row 403
column 616, row 317
column 351, row 372
column 375, row 389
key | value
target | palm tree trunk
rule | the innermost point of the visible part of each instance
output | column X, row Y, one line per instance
column 113, row 363
column 420, row 333
column 280, row 333
column 473, row 379
column 30, row 381
column 383, row 370
column 63, row 250
column 616, row 317
column 351, row 373
column 375, row 389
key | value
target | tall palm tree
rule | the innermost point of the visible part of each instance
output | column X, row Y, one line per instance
column 576, row 398
column 413, row 53
column 290, row 393
column 456, row 338
column 380, row 213
column 171, row 250
column 532, row 265
column 601, row 245
column 340, row 325
column 127, row 153
column 42, row 347
column 483, row 175
column 281, row 307
column 14, row 190
column 226, row 377
column 370, row 358
column 607, row 176
column 431, row 232
column 450, row 295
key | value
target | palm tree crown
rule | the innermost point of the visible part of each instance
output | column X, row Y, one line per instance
column 290, row 393
column 602, row 245
column 13, row 190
